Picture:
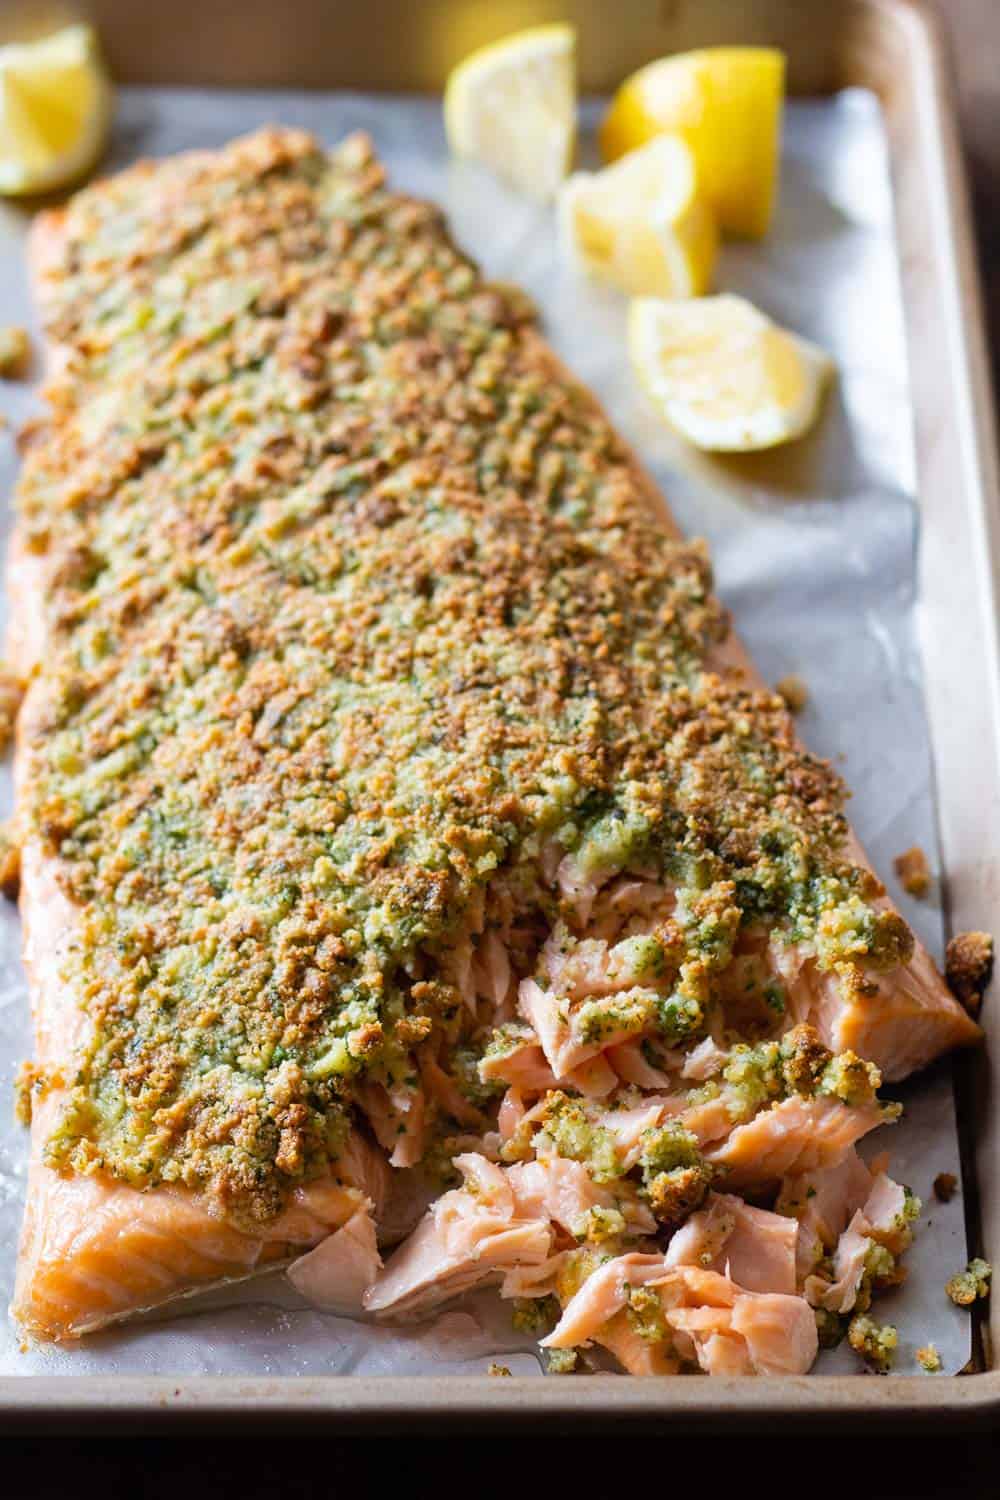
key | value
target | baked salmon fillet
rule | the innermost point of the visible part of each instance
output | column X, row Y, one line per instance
column 394, row 799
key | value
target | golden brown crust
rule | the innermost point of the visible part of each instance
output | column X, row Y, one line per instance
column 353, row 599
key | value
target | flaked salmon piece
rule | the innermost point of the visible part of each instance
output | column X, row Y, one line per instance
column 633, row 1067
column 424, row 1272
column 538, row 1280
column 588, row 967
column 469, row 1235
column 796, row 1135
column 579, row 888
column 510, row 1114
column 501, row 1222
column 565, row 1044
column 628, row 906
column 840, row 1294
column 628, row 1126
column 523, row 1066
column 723, row 1353
column 701, row 1241
column 558, row 1190
column 635, row 1354
column 397, row 1118
column 365, row 1166
column 823, row 1204
column 459, row 1244
column 595, row 1078
column 700, row 1325
column 336, row 1275
column 493, row 976
column 709, row 1121
column 884, row 1212
column 488, row 1183
column 704, row 1061
column 564, row 1192
column 602, row 1295
column 779, row 1332
column 752, row 1246
column 883, row 1219
column 442, row 1088
column 901, row 1020
column 766, row 1333
column 456, row 968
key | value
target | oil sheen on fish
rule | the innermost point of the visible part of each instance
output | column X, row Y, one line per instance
column 392, row 796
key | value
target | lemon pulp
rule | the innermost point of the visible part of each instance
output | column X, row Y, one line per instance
column 642, row 224
column 512, row 106
column 724, row 374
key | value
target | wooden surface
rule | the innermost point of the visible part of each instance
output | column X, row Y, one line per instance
column 973, row 31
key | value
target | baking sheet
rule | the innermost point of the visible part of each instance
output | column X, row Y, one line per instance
column 814, row 552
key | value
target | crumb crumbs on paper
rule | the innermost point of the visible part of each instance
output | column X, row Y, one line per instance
column 11, row 693
column 968, row 967
column 560, row 1361
column 10, row 862
column 875, row 1342
column 521, row 307
column 495, row 1369
column 15, row 351
column 794, row 692
column 913, row 871
column 972, row 1284
column 929, row 1359
column 945, row 1186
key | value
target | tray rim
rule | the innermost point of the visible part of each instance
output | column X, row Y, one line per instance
column 360, row 1403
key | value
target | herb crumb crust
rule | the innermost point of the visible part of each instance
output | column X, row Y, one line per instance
column 358, row 623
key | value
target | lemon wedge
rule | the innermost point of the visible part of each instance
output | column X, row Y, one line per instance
column 726, row 103
column 512, row 105
column 55, row 110
column 642, row 224
column 724, row 374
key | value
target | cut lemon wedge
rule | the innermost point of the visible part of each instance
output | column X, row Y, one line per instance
column 723, row 374
column 642, row 224
column 726, row 103
column 512, row 106
column 55, row 110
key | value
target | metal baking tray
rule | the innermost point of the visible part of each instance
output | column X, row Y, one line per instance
column 893, row 48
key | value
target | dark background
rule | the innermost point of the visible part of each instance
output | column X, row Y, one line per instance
column 936, row 1462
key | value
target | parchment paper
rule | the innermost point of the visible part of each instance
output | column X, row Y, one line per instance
column 814, row 551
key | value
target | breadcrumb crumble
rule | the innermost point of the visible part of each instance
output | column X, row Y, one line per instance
column 15, row 351
column 969, row 967
column 913, row 871
column 945, row 1186
column 972, row 1284
column 794, row 692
